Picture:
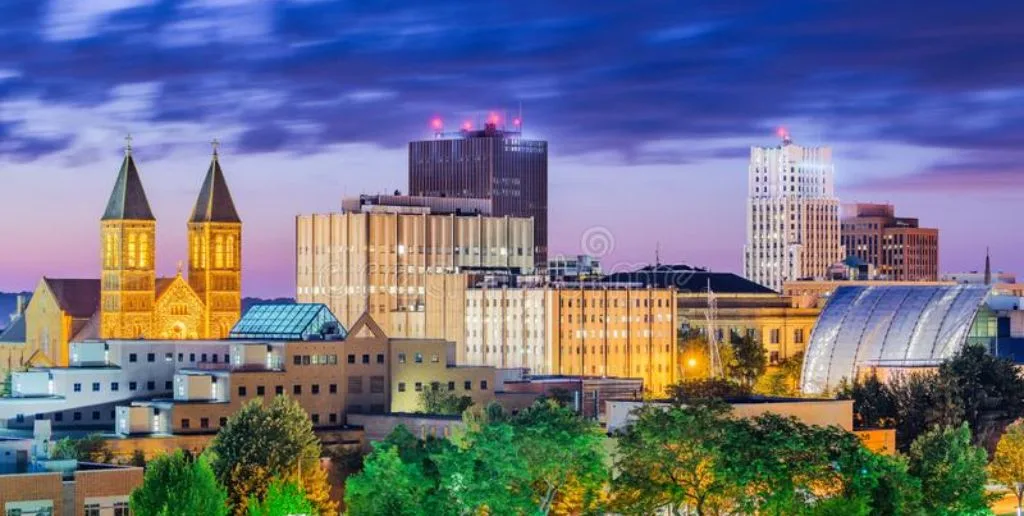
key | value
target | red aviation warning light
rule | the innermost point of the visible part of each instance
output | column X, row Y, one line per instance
column 467, row 125
column 517, row 122
column 493, row 119
column 436, row 124
column 783, row 133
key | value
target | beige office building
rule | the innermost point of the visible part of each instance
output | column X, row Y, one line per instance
column 377, row 260
column 577, row 330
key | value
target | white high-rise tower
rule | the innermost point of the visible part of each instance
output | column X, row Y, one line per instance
column 792, row 214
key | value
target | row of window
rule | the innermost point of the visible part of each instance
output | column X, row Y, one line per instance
column 366, row 358
column 261, row 390
column 466, row 386
column 315, row 359
column 116, row 386
column 418, row 358
column 169, row 357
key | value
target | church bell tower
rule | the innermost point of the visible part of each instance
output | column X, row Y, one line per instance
column 128, row 239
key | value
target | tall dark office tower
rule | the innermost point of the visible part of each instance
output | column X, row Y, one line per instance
column 490, row 163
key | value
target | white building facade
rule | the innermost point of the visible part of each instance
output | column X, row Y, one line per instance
column 792, row 214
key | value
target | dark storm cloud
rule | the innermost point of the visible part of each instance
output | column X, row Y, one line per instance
column 594, row 77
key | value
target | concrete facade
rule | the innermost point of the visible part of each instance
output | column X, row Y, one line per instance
column 897, row 247
column 792, row 214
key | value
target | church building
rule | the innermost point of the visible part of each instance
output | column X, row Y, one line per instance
column 129, row 301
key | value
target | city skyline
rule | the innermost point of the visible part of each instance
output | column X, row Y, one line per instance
column 652, row 149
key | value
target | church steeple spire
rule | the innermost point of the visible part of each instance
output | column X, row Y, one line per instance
column 214, row 203
column 128, row 198
column 988, row 268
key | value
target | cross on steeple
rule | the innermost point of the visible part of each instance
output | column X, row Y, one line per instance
column 128, row 144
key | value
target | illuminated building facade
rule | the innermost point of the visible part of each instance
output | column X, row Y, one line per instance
column 489, row 163
column 792, row 214
column 377, row 260
column 897, row 247
column 583, row 329
column 129, row 301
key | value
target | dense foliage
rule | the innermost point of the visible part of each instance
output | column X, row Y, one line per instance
column 178, row 484
column 695, row 458
column 282, row 498
column 952, row 471
column 974, row 387
column 443, row 401
column 1007, row 465
column 261, row 443
column 543, row 459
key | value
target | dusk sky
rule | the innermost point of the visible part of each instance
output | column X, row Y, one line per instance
column 650, row 108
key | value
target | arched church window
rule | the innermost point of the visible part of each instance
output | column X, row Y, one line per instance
column 144, row 250
column 218, row 254
column 131, row 250
column 231, row 251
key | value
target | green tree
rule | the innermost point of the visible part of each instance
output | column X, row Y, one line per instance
column 990, row 391
column 672, row 459
column 750, row 361
column 176, row 484
column 874, row 404
column 689, row 391
column 783, row 379
column 282, row 498
column 443, row 401
column 951, row 470
column 387, row 486
column 559, row 449
column 923, row 401
column 260, row 443
column 91, row 448
column 1007, row 465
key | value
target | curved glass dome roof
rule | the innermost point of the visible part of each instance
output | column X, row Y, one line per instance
column 887, row 325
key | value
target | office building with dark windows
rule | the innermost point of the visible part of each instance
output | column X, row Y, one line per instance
column 490, row 163
column 897, row 247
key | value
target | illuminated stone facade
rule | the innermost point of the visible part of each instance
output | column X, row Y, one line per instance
column 129, row 301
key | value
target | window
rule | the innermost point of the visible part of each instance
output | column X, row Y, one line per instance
column 133, row 386
column 121, row 509
column 483, row 385
column 227, row 357
column 451, row 386
column 150, row 357
column 260, row 391
column 168, row 357
column 401, row 386
column 204, row 422
column 78, row 387
column 798, row 336
column 297, row 360
column 181, row 357
column 467, row 385
column 296, row 389
column 203, row 357
column 401, row 358
column 305, row 360
column 380, row 358
column 333, row 388
column 355, row 384
column 214, row 356
column 278, row 390
column 95, row 386
column 132, row 357
column 191, row 357
column 351, row 359
column 775, row 336
column 433, row 358
column 315, row 388
column 151, row 385
column 168, row 385
column 333, row 418
column 366, row 359
column 773, row 357
column 435, row 386
column 241, row 391
column 58, row 416
column 376, row 385
column 114, row 386
column 91, row 509
column 77, row 416
column 95, row 415
column 223, row 422
column 185, row 423
column 419, row 387
column 315, row 418
column 419, row 358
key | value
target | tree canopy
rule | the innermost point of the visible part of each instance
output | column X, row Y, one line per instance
column 261, row 443
column 443, row 401
column 1007, row 465
column 178, row 484
column 282, row 498
column 951, row 470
